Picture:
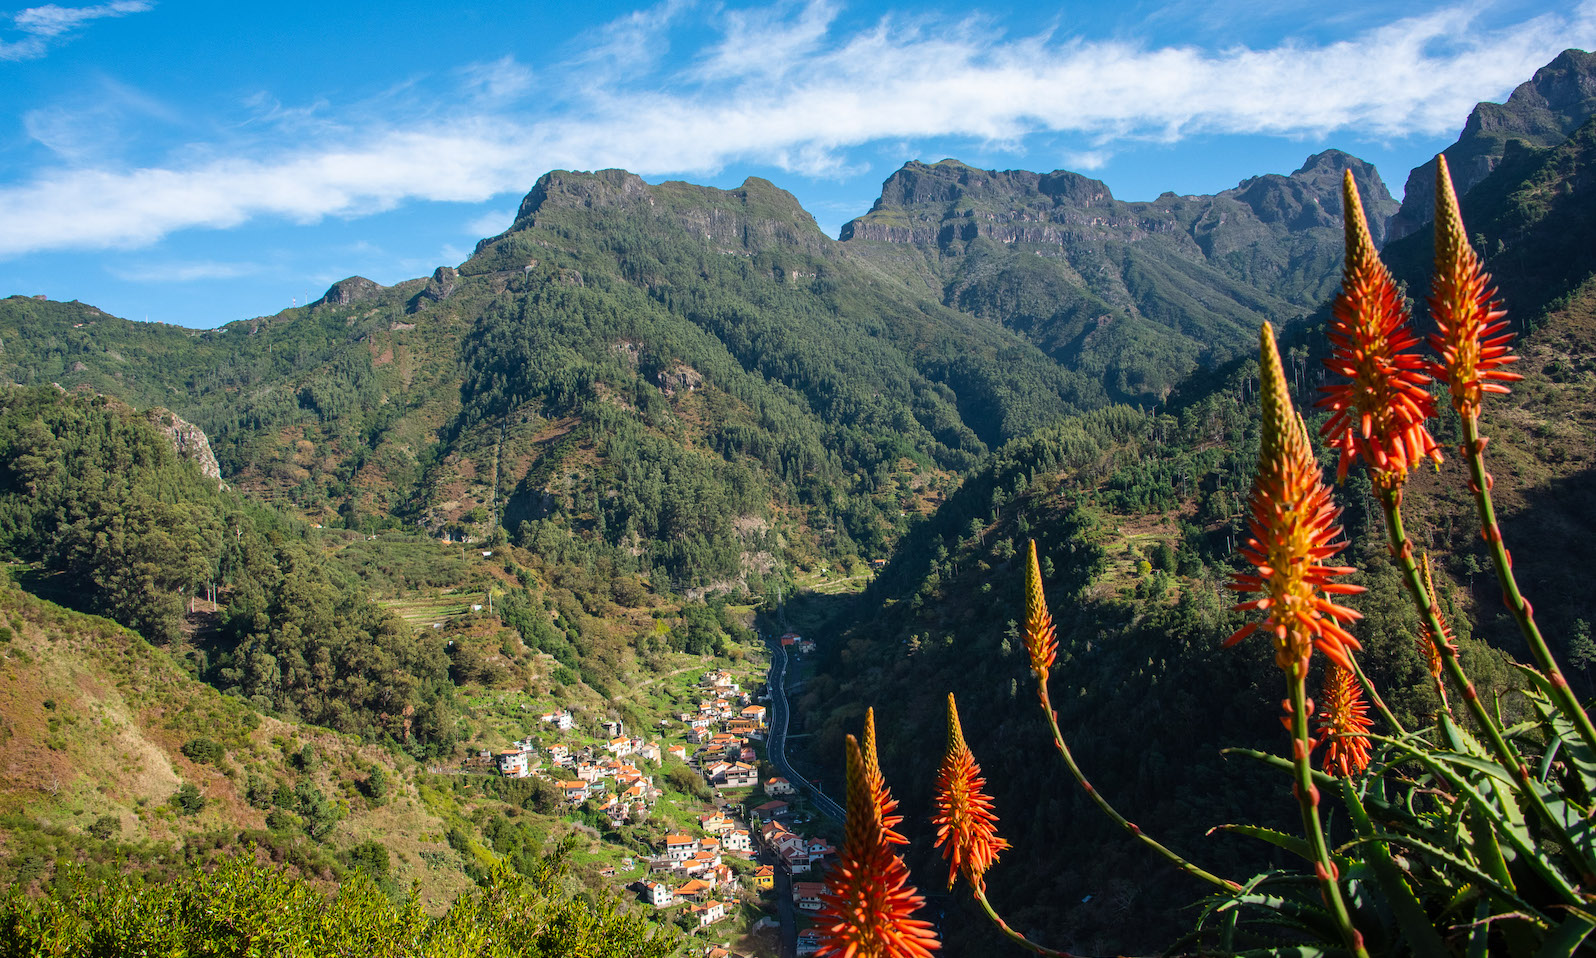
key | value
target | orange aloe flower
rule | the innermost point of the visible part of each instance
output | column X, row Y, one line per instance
column 1471, row 338
column 877, row 784
column 966, row 825
column 1343, row 723
column 1430, row 645
column 864, row 912
column 1293, row 534
column 1041, row 640
column 1378, row 412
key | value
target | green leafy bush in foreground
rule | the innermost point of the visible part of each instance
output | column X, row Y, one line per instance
column 243, row 908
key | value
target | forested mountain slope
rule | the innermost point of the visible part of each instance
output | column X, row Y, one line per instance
column 692, row 385
column 1137, row 516
column 1137, row 294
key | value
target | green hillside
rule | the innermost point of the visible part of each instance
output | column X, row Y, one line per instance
column 1137, row 516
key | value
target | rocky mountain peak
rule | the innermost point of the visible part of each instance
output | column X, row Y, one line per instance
column 1311, row 196
column 1543, row 111
column 351, row 290
column 564, row 188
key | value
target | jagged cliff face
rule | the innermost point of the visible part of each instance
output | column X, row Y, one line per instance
column 948, row 203
column 756, row 215
column 1543, row 111
column 1145, row 288
column 188, row 440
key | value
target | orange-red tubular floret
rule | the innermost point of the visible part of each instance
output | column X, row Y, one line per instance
column 1294, row 532
column 866, row 908
column 966, row 824
column 1344, row 722
column 886, row 805
column 1378, row 400
column 1041, row 640
column 1471, row 338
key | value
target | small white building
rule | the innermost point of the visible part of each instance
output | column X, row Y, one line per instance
column 709, row 912
column 658, row 894
column 514, row 764
column 559, row 718
column 680, row 848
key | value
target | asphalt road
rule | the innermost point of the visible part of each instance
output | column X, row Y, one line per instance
column 785, row 911
column 776, row 745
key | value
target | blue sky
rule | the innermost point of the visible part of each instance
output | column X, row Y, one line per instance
column 198, row 162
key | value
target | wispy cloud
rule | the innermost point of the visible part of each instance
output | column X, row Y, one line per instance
column 501, row 81
column 42, row 26
column 182, row 272
column 810, row 95
column 491, row 223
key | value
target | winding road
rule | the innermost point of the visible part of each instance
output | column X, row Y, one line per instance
column 776, row 745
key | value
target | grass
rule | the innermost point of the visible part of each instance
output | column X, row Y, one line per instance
column 423, row 612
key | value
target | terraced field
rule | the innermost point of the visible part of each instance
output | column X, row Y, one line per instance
column 427, row 611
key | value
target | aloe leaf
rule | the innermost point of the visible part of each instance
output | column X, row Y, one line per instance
column 1405, row 907
column 1294, row 844
column 1480, row 931
column 1543, row 866
column 1474, row 873
column 1564, row 734
column 1566, row 938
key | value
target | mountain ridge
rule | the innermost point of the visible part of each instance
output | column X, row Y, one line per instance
column 1542, row 111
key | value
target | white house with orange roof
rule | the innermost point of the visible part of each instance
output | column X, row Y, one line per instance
column 559, row 718
column 753, row 713
column 680, row 848
column 776, row 785
column 736, row 775
column 709, row 912
column 658, row 894
column 514, row 763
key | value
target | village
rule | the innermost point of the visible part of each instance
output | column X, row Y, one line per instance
column 722, row 862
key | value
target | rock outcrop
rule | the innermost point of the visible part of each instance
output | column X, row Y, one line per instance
column 1544, row 111
column 347, row 291
column 188, row 439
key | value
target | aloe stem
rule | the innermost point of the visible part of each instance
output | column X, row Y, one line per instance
column 1374, row 696
column 1102, row 803
column 1308, row 800
column 1473, row 451
column 1014, row 936
column 1508, row 756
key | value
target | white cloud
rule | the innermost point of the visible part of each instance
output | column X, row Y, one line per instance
column 1087, row 160
column 40, row 25
column 817, row 95
column 767, row 42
